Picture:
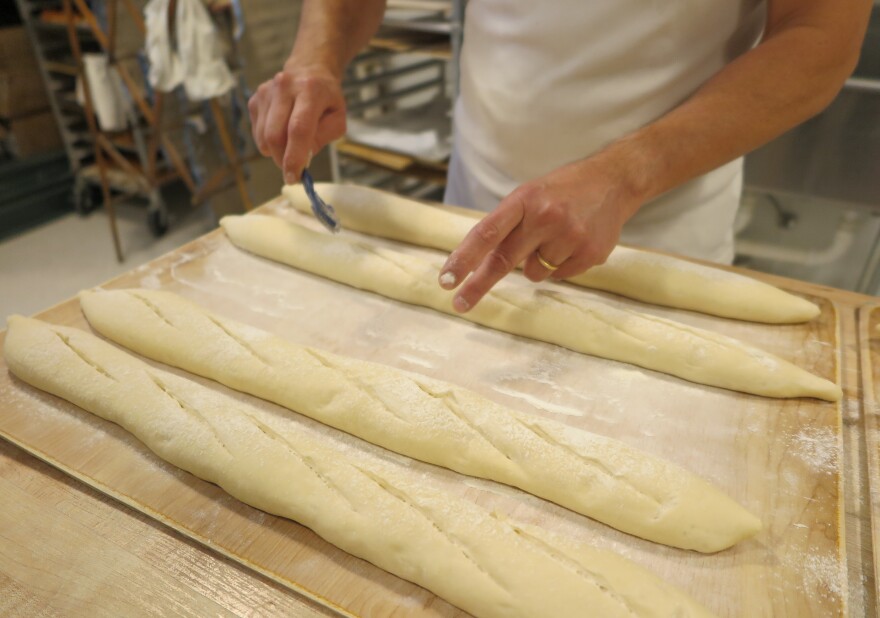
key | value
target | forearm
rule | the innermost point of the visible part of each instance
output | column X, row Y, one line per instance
column 569, row 220
column 332, row 32
column 792, row 75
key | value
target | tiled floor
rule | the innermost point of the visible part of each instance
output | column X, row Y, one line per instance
column 54, row 261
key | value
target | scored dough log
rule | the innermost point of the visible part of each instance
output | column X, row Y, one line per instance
column 429, row 420
column 369, row 506
column 642, row 275
column 556, row 317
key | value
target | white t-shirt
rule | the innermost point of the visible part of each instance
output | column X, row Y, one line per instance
column 547, row 83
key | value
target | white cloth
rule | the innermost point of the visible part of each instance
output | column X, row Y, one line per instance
column 547, row 83
column 105, row 86
column 195, row 58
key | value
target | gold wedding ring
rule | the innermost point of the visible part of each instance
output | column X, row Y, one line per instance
column 544, row 262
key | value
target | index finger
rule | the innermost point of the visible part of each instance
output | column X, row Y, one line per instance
column 483, row 238
column 300, row 134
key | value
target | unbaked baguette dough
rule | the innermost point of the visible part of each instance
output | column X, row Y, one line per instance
column 429, row 420
column 368, row 505
column 642, row 275
column 557, row 317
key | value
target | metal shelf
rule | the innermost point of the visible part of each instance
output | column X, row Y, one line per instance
column 407, row 78
column 421, row 25
column 60, row 37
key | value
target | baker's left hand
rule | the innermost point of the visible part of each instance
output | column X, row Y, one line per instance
column 561, row 224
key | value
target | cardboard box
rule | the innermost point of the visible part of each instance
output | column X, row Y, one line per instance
column 21, row 87
column 34, row 134
column 16, row 52
column 21, row 94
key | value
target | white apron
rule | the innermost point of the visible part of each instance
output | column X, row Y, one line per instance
column 547, row 83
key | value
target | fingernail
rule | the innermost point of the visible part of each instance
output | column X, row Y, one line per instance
column 448, row 280
column 289, row 178
column 460, row 304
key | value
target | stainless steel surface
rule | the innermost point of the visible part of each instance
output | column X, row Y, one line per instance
column 355, row 84
column 836, row 155
column 828, row 242
column 864, row 84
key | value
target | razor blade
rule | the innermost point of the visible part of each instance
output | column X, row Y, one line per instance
column 323, row 211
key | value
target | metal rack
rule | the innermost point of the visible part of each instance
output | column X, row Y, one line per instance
column 115, row 163
column 399, row 93
column 58, row 71
column 140, row 159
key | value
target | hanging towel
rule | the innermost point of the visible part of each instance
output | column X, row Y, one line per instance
column 109, row 103
column 193, row 58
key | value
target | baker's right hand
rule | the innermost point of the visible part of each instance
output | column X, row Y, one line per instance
column 295, row 114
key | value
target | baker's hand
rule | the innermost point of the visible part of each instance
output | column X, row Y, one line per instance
column 560, row 224
column 295, row 114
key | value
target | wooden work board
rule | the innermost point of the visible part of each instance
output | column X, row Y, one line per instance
column 782, row 459
column 869, row 355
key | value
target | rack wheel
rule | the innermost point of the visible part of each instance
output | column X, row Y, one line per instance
column 86, row 198
column 157, row 220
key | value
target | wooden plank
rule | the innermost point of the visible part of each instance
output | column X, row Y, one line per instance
column 383, row 158
column 394, row 161
column 418, row 43
column 79, row 553
column 857, row 521
column 869, row 353
column 782, row 459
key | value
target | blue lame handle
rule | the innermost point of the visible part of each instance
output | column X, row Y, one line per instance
column 323, row 211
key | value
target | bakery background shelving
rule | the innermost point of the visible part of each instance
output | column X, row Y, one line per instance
column 34, row 178
column 123, row 139
column 399, row 94
column 107, row 164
